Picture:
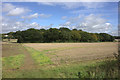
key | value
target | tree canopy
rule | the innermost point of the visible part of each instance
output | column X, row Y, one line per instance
column 58, row 35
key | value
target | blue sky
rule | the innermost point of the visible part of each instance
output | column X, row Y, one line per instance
column 88, row 16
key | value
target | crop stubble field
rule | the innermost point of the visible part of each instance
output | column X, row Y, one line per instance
column 75, row 51
column 35, row 59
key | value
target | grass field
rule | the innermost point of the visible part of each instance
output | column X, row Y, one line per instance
column 59, row 60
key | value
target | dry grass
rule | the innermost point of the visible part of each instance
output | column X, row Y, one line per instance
column 9, row 49
column 65, row 52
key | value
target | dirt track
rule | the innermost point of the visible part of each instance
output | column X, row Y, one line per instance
column 65, row 52
column 12, row 49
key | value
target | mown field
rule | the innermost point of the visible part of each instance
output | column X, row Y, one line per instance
column 59, row 60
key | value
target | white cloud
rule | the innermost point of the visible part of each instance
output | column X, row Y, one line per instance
column 35, row 15
column 66, row 24
column 73, row 5
column 94, row 20
column 61, row 0
column 17, row 11
column 46, row 3
column 70, row 5
column 44, row 15
column 34, row 24
column 12, row 10
column 4, row 24
column 7, row 28
column 67, row 5
column 114, row 32
column 93, row 5
column 47, row 26
column 0, row 18
column 91, row 23
column 94, row 23
column 7, row 7
column 15, row 26
column 6, row 19
column 19, row 25
column 11, row 24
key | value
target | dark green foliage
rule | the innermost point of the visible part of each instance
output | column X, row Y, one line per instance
column 107, row 70
column 117, row 37
column 85, row 37
column 65, row 35
column 105, row 37
column 75, row 35
column 20, row 40
column 52, row 35
column 30, row 35
column 58, row 35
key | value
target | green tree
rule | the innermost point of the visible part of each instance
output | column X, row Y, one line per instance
column 105, row 37
column 52, row 35
column 31, row 35
column 94, row 37
column 75, row 35
column 59, row 35
column 65, row 34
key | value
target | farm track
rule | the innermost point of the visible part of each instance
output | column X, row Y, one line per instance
column 28, row 61
column 13, row 49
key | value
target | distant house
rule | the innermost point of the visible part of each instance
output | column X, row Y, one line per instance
column 7, row 39
column 6, row 36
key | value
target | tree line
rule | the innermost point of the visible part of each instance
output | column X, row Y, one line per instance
column 58, row 35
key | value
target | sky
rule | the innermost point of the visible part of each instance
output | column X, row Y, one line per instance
column 95, row 17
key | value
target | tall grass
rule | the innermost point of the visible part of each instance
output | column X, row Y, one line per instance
column 108, row 69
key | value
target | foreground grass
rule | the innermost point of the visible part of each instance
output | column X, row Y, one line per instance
column 90, row 69
column 108, row 69
column 13, row 62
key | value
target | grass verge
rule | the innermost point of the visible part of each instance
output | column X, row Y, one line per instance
column 39, row 57
column 13, row 61
column 90, row 69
